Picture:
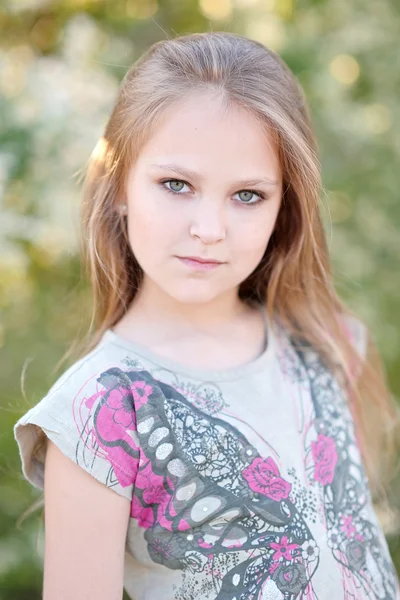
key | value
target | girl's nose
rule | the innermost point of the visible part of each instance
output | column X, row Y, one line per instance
column 209, row 222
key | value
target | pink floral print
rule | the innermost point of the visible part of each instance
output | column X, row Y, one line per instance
column 283, row 549
column 120, row 401
column 141, row 392
column 155, row 439
column 325, row 459
column 114, row 427
column 264, row 478
column 347, row 525
column 155, row 493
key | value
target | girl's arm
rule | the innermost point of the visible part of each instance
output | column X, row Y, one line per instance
column 85, row 533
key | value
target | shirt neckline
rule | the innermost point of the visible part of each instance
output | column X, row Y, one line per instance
column 227, row 374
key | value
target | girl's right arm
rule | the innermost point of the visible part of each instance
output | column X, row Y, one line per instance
column 85, row 533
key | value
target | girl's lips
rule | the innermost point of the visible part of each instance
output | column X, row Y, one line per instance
column 199, row 264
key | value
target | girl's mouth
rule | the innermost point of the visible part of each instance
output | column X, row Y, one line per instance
column 201, row 264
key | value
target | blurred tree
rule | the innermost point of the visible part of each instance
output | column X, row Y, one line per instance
column 60, row 66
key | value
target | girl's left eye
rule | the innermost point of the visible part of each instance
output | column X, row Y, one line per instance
column 247, row 196
column 175, row 186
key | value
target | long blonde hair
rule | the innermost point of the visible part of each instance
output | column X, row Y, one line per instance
column 294, row 277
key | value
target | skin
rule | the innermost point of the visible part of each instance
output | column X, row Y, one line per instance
column 180, row 311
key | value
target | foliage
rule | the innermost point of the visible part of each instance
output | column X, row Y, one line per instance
column 60, row 65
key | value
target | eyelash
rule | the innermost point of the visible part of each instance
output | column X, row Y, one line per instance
column 261, row 196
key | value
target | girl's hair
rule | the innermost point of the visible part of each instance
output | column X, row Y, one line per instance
column 294, row 278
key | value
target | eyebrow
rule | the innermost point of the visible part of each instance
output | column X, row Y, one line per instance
column 188, row 174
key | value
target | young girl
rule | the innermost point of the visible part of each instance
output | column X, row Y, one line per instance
column 223, row 433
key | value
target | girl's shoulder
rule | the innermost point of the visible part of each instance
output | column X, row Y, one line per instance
column 356, row 331
column 88, row 413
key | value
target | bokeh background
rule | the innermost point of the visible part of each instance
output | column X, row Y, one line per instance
column 60, row 67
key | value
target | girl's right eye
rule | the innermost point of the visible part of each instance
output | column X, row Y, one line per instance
column 176, row 185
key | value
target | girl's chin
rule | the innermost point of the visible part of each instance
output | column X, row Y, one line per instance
column 192, row 296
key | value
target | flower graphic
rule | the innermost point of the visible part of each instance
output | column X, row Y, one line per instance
column 335, row 538
column 283, row 549
column 113, row 427
column 156, row 492
column 347, row 525
column 161, row 547
column 325, row 459
column 356, row 554
column 153, row 494
column 291, row 578
column 140, row 392
column 310, row 550
column 144, row 516
column 121, row 402
column 264, row 478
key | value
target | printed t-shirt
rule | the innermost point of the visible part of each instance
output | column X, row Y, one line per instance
column 244, row 483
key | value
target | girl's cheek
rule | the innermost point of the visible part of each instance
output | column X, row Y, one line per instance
column 256, row 235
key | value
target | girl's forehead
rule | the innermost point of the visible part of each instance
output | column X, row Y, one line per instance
column 211, row 133
column 204, row 108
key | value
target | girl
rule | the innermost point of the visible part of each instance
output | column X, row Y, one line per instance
column 223, row 433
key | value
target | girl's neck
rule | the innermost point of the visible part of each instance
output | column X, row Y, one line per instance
column 225, row 332
column 153, row 305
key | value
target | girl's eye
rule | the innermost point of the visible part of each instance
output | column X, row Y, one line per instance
column 246, row 197
column 176, row 185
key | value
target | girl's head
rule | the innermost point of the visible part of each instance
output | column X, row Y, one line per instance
column 228, row 109
column 195, row 116
column 207, row 183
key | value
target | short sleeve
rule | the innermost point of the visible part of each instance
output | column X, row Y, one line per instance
column 91, row 418
column 357, row 333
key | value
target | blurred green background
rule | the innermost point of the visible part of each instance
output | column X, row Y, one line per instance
column 60, row 66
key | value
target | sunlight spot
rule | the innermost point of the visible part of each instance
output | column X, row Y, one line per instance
column 345, row 69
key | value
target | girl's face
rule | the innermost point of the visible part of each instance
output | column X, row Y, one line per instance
column 207, row 184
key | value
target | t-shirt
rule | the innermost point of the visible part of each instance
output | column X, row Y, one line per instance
column 245, row 483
